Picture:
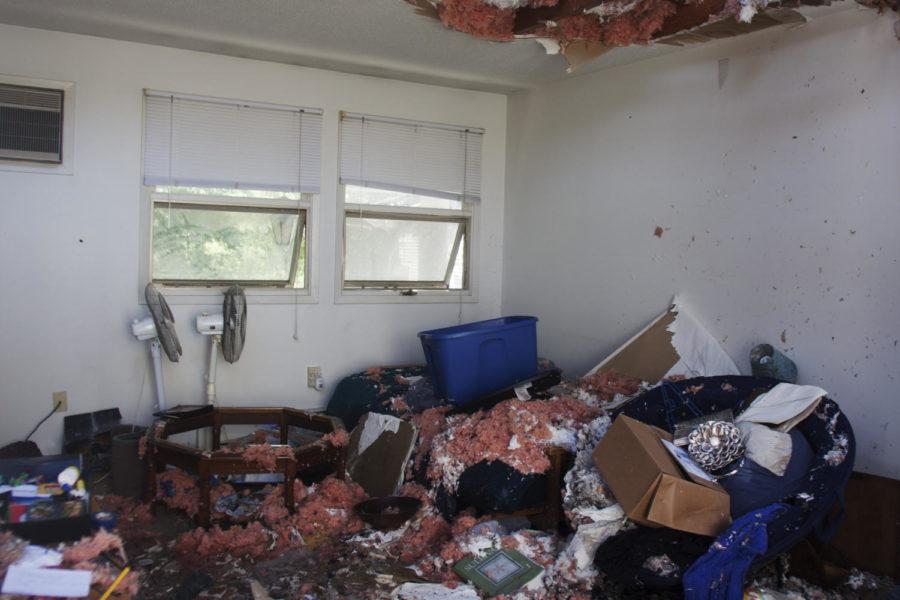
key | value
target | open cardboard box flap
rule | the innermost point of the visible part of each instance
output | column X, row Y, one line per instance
column 650, row 485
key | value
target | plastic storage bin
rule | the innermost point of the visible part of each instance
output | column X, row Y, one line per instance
column 469, row 361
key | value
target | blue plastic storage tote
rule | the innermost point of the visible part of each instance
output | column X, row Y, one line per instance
column 469, row 361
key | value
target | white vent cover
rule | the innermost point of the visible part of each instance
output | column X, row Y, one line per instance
column 31, row 123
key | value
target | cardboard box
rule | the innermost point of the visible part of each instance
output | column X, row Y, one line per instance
column 650, row 485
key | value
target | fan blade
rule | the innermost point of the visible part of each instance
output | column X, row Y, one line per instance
column 164, row 321
column 234, row 317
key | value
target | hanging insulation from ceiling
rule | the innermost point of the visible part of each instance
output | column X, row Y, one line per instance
column 584, row 29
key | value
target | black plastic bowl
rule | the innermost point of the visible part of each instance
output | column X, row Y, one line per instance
column 389, row 512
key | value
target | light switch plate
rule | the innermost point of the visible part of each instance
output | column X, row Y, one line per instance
column 61, row 398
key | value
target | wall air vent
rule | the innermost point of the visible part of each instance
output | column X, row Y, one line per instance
column 31, row 124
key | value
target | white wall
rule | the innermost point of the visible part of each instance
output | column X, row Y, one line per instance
column 779, row 194
column 69, row 245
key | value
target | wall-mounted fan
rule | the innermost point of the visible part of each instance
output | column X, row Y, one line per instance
column 227, row 329
column 159, row 330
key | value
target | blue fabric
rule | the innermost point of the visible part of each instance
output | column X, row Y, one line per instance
column 827, row 430
column 754, row 486
column 719, row 574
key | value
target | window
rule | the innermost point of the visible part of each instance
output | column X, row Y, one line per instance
column 204, row 236
column 231, row 187
column 400, row 241
column 409, row 193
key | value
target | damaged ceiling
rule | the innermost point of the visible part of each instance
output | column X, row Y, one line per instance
column 383, row 38
column 583, row 30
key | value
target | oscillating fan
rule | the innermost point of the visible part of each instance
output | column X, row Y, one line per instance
column 159, row 330
column 227, row 329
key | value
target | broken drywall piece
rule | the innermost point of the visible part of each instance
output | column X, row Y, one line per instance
column 375, row 425
column 549, row 45
column 674, row 343
column 378, row 451
column 434, row 591
column 700, row 354
column 580, row 52
column 732, row 27
column 258, row 591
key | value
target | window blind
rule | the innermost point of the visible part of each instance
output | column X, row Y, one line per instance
column 206, row 142
column 414, row 157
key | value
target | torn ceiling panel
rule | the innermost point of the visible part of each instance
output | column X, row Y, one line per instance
column 581, row 30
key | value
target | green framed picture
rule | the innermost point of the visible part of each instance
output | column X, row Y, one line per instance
column 498, row 572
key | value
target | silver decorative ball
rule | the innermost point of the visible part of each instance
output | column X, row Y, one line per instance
column 715, row 444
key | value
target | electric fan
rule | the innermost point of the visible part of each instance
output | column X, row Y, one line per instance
column 227, row 329
column 159, row 330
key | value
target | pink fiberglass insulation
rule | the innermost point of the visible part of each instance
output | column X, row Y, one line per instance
column 273, row 509
column 132, row 515
column 328, row 510
column 637, row 26
column 198, row 545
column 606, row 384
column 416, row 490
column 581, row 27
column 478, row 19
column 176, row 489
column 265, row 455
column 514, row 432
column 179, row 490
column 339, row 438
column 89, row 548
column 103, row 576
column 429, row 423
column 399, row 405
column 323, row 512
column 83, row 555
column 421, row 538
column 11, row 549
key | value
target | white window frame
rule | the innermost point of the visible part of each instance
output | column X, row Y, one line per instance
column 67, row 166
column 396, row 296
column 211, row 294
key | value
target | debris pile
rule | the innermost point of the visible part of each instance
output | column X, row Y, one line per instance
column 85, row 554
column 266, row 455
column 179, row 490
column 514, row 432
column 324, row 512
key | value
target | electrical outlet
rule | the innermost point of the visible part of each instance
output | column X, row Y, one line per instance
column 312, row 374
column 62, row 399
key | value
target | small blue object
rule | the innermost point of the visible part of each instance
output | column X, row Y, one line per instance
column 472, row 360
column 105, row 520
